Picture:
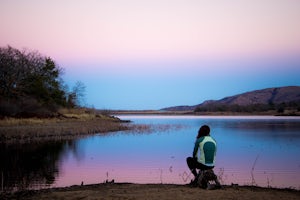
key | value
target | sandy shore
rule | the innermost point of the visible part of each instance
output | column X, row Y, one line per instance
column 154, row 192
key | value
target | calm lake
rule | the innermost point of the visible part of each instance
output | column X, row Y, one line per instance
column 252, row 150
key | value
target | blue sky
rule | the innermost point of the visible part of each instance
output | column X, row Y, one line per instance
column 183, row 83
column 140, row 54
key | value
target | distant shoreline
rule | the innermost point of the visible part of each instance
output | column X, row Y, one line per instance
column 158, row 112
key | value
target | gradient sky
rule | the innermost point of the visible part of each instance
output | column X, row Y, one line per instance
column 140, row 54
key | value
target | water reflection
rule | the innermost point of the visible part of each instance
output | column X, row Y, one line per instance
column 251, row 150
column 32, row 165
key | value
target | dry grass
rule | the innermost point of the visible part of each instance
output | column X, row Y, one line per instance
column 70, row 124
column 7, row 122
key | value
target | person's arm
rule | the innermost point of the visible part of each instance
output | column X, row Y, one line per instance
column 196, row 147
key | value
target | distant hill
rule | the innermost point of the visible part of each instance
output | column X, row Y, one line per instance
column 260, row 100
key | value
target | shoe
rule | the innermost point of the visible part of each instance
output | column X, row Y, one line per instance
column 193, row 183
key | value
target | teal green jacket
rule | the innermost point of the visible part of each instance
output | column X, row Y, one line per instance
column 205, row 150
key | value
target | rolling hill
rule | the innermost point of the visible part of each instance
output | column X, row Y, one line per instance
column 261, row 100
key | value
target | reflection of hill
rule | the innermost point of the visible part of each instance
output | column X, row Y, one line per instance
column 32, row 165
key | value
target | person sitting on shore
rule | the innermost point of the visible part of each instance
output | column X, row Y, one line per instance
column 204, row 152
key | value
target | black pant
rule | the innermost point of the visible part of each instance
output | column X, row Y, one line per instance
column 193, row 164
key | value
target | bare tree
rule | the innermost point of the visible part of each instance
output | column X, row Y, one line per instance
column 79, row 93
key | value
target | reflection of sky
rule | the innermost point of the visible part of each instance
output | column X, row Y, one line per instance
column 160, row 156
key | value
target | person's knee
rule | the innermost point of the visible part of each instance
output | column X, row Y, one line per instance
column 190, row 162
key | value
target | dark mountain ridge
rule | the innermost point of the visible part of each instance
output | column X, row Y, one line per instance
column 269, row 98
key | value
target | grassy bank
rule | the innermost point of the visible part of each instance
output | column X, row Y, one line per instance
column 68, row 124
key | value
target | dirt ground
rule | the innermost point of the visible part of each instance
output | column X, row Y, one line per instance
column 155, row 192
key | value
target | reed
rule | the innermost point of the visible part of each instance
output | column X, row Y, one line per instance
column 253, row 182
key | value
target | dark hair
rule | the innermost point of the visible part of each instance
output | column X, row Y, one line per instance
column 203, row 131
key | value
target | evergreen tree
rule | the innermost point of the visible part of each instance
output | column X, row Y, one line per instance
column 30, row 82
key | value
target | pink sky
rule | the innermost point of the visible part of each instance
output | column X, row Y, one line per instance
column 133, row 36
column 151, row 29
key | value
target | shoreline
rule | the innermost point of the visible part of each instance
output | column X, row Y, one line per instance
column 153, row 191
column 36, row 129
column 192, row 113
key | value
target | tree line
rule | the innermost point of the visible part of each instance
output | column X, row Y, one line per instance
column 219, row 107
column 31, row 85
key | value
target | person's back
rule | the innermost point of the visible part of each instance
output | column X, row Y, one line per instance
column 204, row 159
column 204, row 151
